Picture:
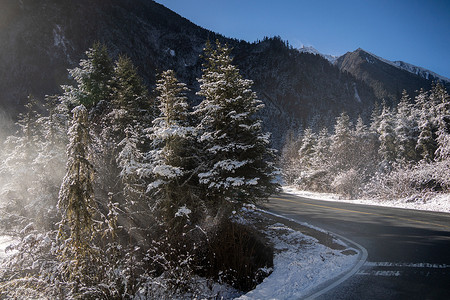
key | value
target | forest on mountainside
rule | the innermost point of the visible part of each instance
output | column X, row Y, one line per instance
column 117, row 193
column 40, row 41
column 403, row 153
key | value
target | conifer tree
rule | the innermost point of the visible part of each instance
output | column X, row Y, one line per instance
column 173, row 157
column 387, row 138
column 341, row 140
column 130, row 162
column 365, row 155
column 443, row 119
column 375, row 117
column 92, row 79
column 306, row 151
column 322, row 150
column 237, row 159
column 426, row 143
column 129, row 93
column 406, row 130
column 290, row 158
column 76, row 202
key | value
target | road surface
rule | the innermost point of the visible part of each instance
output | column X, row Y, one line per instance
column 408, row 250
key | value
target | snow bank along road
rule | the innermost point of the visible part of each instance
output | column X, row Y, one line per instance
column 408, row 250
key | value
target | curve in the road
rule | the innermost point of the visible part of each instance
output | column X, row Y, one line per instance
column 331, row 285
column 408, row 249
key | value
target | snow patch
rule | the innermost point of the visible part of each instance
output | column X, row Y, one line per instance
column 356, row 94
column 439, row 203
column 183, row 211
column 308, row 49
column 60, row 41
column 300, row 265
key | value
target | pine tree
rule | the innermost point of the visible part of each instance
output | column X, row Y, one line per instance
column 387, row 138
column 92, row 79
column 321, row 158
column 129, row 93
column 289, row 159
column 365, row 155
column 237, row 157
column 306, row 151
column 29, row 126
column 375, row 117
column 173, row 157
column 426, row 143
column 48, row 165
column 130, row 162
column 76, row 203
column 341, row 143
column 443, row 119
column 406, row 130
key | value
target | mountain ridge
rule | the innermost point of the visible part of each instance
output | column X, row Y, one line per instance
column 414, row 69
column 42, row 40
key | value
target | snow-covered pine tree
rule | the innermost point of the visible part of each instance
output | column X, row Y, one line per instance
column 237, row 163
column 342, row 140
column 426, row 143
column 387, row 138
column 92, row 79
column 375, row 117
column 321, row 158
column 122, row 132
column 130, row 161
column 29, row 126
column 130, row 96
column 365, row 155
column 173, row 158
column 443, row 118
column 306, row 151
column 289, row 159
column 406, row 130
column 77, row 205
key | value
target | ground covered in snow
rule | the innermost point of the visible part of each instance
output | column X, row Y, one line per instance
column 430, row 202
column 304, row 257
column 302, row 262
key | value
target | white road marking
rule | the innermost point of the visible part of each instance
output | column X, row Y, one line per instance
column 400, row 268
column 406, row 265
column 380, row 273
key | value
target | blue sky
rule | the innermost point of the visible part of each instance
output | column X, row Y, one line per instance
column 415, row 31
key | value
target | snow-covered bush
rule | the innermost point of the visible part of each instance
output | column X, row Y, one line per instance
column 407, row 181
column 403, row 152
column 347, row 183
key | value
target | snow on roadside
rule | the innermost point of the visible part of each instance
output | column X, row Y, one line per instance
column 301, row 264
column 438, row 203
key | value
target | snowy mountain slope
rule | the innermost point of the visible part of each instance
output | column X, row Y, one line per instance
column 308, row 49
column 387, row 79
column 41, row 40
column 422, row 72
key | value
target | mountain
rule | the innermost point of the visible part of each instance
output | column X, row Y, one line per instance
column 308, row 49
column 386, row 78
column 42, row 39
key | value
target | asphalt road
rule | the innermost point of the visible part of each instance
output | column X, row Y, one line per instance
column 408, row 250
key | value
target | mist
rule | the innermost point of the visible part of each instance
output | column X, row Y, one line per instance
column 6, row 126
column 31, row 172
